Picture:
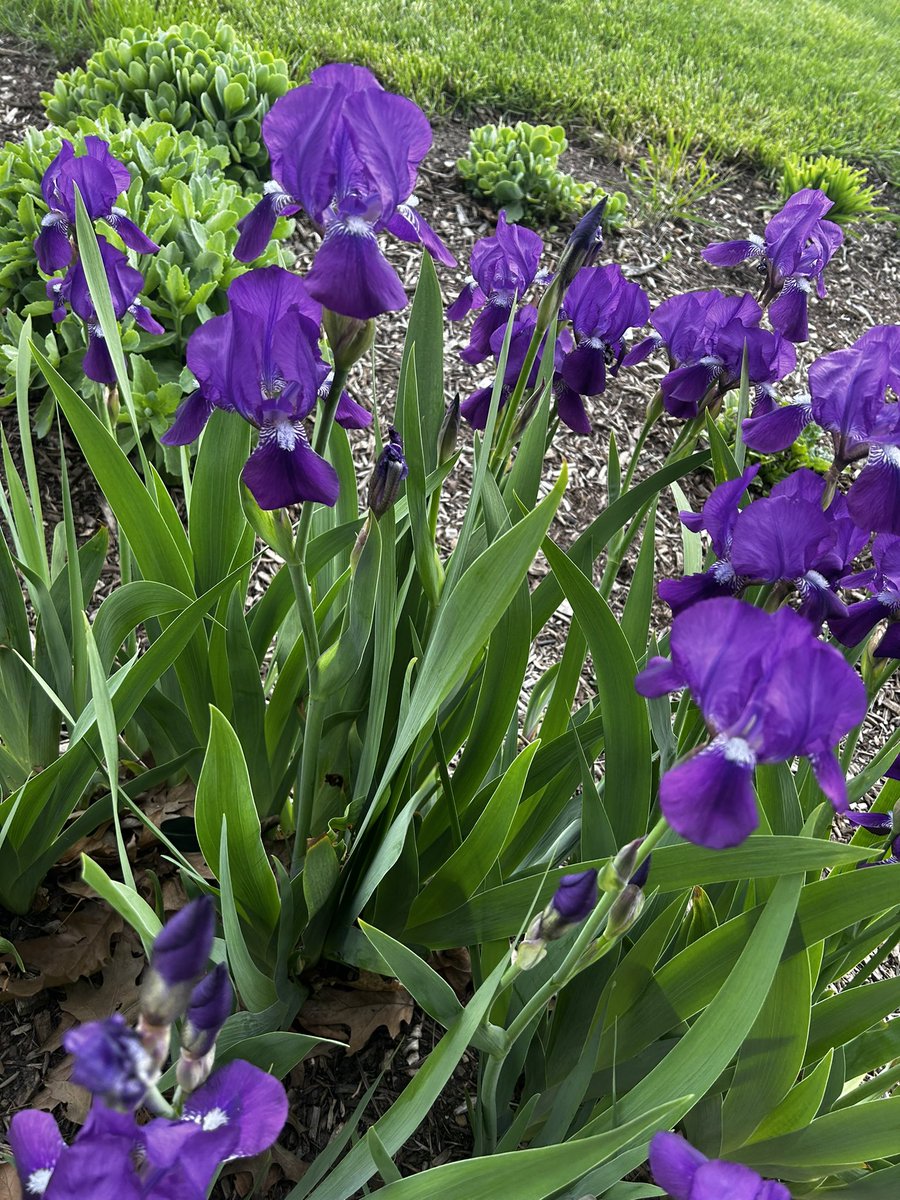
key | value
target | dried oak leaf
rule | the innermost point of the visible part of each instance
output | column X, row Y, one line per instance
column 358, row 1008
column 117, row 992
column 10, row 1188
column 81, row 947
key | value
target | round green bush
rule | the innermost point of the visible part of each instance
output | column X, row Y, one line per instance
column 207, row 84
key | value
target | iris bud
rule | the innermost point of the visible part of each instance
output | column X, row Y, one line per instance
column 618, row 870
column 449, row 432
column 348, row 337
column 580, row 251
column 625, row 910
column 178, row 959
column 575, row 898
column 209, row 1008
column 388, row 475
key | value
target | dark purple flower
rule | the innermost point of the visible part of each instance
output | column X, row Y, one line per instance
column 705, row 335
column 601, row 305
column 261, row 360
column 475, row 408
column 208, row 1009
column 768, row 691
column 388, row 475
column 879, row 824
column 125, row 283
column 887, row 859
column 101, row 179
column 503, row 267
column 575, row 897
column 797, row 246
column 883, row 581
column 110, row 1061
column 686, row 1174
column 348, row 153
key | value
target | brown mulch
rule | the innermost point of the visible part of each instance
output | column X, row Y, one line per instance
column 863, row 290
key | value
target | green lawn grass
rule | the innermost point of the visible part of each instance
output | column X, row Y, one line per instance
column 751, row 78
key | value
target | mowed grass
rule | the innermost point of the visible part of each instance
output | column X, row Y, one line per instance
column 755, row 79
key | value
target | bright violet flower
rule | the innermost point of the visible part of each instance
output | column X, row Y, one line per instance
column 261, row 360
column 883, row 581
column 238, row 1113
column 209, row 1008
column 686, row 1174
column 475, row 408
column 849, row 399
column 503, row 269
column 793, row 255
column 110, row 1061
column 601, row 305
column 101, row 179
column 125, row 283
column 705, row 334
column 768, row 691
column 783, row 538
column 347, row 152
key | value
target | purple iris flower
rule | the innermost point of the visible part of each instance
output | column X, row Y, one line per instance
column 101, row 179
column 768, row 691
column 475, row 408
column 686, row 1174
column 883, row 581
column 576, row 896
column 849, row 399
column 261, row 360
column 601, row 305
column 705, row 334
column 347, row 152
column 125, row 283
column 784, row 538
column 793, row 255
column 503, row 268
column 238, row 1113
column 110, row 1061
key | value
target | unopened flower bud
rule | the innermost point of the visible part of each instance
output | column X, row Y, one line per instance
column 209, row 1008
column 625, row 910
column 580, row 251
column 449, row 431
column 525, row 414
column 348, row 337
column 576, row 897
column 178, row 959
column 618, row 870
column 388, row 475
column 110, row 1062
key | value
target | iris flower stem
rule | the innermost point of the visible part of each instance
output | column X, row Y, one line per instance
column 575, row 961
column 315, row 712
column 504, row 436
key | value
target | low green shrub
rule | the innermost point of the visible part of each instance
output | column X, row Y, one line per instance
column 209, row 84
column 846, row 186
column 179, row 197
column 516, row 167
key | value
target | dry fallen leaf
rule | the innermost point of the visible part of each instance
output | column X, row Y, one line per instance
column 359, row 1007
column 80, row 948
column 10, row 1188
column 59, row 1090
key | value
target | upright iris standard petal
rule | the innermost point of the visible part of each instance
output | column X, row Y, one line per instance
column 348, row 153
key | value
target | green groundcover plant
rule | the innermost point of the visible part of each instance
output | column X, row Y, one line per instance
column 663, row 932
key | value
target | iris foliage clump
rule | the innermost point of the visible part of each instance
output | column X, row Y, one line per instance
column 658, row 959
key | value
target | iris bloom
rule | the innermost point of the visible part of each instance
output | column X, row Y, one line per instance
column 783, row 538
column 101, row 179
column 347, row 152
column 125, row 283
column 848, row 397
column 262, row 361
column 705, row 334
column 686, row 1174
column 883, row 581
column 503, row 269
column 239, row 1112
column 797, row 246
column 768, row 691
column 601, row 305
